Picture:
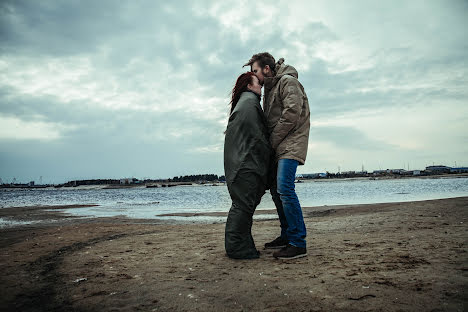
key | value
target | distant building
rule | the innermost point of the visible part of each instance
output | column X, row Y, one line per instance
column 312, row 175
column 459, row 170
column 309, row 175
column 438, row 169
column 126, row 181
column 397, row 171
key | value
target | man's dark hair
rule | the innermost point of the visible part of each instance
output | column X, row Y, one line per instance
column 263, row 60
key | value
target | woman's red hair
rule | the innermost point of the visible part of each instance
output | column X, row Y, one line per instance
column 241, row 86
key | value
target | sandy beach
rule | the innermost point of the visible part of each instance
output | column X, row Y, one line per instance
column 408, row 256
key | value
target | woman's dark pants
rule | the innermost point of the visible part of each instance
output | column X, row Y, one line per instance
column 246, row 192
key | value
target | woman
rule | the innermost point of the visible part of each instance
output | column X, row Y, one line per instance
column 247, row 155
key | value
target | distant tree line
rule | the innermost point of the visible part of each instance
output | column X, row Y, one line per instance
column 90, row 182
column 197, row 177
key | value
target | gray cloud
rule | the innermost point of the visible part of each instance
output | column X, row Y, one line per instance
column 151, row 79
column 348, row 138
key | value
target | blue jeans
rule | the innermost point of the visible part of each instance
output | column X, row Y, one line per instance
column 287, row 204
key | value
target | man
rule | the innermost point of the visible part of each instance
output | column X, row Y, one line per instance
column 286, row 108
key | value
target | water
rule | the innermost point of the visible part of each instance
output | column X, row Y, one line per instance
column 152, row 202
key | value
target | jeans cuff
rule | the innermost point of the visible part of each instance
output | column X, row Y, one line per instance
column 297, row 245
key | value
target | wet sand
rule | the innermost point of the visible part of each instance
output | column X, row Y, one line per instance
column 379, row 257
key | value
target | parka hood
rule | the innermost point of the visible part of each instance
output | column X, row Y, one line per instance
column 281, row 69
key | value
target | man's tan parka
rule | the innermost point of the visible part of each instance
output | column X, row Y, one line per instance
column 286, row 108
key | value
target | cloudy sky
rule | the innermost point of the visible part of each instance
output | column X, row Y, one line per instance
column 109, row 89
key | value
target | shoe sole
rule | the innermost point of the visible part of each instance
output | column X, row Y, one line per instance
column 295, row 257
column 276, row 247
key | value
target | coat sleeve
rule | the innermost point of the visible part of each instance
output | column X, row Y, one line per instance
column 292, row 97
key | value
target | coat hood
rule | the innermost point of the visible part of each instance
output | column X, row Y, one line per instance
column 281, row 69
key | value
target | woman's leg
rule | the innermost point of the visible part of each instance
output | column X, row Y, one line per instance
column 246, row 194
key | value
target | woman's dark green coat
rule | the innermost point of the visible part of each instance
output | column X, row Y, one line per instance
column 247, row 156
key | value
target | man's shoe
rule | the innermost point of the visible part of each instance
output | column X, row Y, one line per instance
column 290, row 252
column 278, row 243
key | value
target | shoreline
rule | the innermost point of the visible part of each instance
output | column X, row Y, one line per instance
column 37, row 215
column 186, row 184
column 407, row 256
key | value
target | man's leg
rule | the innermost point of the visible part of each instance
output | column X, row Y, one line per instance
column 296, row 230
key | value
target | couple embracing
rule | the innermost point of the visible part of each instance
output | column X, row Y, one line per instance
column 262, row 150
